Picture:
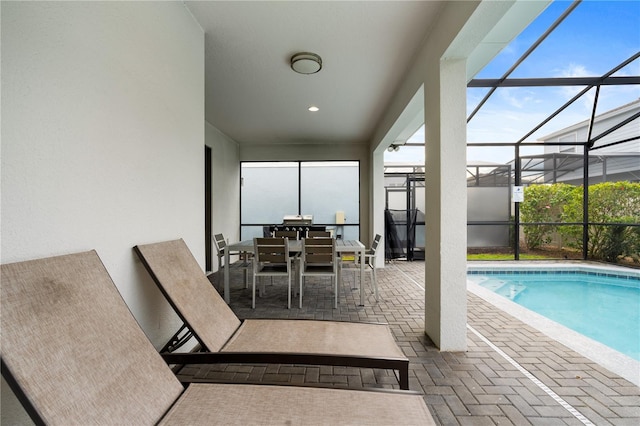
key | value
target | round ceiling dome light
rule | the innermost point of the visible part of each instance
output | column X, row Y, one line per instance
column 306, row 63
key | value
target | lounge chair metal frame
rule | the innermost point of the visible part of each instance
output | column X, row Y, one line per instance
column 182, row 336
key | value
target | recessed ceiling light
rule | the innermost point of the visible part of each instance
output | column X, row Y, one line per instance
column 314, row 108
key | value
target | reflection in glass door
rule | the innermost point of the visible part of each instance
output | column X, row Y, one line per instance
column 328, row 191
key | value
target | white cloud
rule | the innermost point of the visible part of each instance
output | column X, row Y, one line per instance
column 574, row 70
column 508, row 96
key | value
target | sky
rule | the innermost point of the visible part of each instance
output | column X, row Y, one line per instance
column 592, row 40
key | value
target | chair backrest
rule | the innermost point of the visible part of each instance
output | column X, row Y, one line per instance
column 319, row 251
column 313, row 234
column 186, row 287
column 220, row 242
column 292, row 235
column 374, row 245
column 270, row 250
column 72, row 351
column 371, row 254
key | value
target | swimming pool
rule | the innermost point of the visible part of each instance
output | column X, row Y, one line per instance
column 600, row 304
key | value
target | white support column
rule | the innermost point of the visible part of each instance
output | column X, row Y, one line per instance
column 446, row 205
column 377, row 203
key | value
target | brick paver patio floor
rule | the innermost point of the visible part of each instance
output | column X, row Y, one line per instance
column 510, row 374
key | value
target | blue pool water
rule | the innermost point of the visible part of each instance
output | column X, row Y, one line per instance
column 604, row 307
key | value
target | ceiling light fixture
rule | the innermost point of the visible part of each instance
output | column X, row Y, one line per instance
column 392, row 148
column 306, row 63
column 314, row 108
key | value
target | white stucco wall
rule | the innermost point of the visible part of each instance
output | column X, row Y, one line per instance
column 102, row 140
column 225, row 164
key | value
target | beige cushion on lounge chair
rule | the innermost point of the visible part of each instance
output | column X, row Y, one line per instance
column 202, row 306
column 259, row 404
column 74, row 348
column 181, row 279
column 74, row 355
column 330, row 337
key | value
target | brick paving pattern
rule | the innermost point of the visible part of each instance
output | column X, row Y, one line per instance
column 477, row 387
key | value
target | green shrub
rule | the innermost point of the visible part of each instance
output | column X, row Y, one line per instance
column 544, row 203
column 614, row 243
column 609, row 202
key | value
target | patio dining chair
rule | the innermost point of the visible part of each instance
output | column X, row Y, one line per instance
column 220, row 332
column 314, row 234
column 351, row 262
column 318, row 259
column 271, row 259
column 73, row 354
column 370, row 263
column 292, row 235
column 245, row 263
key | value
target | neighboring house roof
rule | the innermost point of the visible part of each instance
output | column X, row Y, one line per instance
column 624, row 109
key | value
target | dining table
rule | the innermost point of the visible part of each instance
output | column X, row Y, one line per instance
column 342, row 246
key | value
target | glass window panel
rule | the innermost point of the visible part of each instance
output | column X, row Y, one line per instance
column 330, row 187
column 250, row 232
column 269, row 192
column 350, row 232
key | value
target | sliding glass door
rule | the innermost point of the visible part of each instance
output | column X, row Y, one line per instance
column 328, row 191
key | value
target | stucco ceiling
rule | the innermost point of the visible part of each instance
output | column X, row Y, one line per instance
column 253, row 96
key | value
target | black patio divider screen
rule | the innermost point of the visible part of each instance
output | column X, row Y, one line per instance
column 400, row 234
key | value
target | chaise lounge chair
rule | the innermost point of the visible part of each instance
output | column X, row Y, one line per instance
column 74, row 354
column 218, row 330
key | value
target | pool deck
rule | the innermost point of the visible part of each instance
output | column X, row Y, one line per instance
column 511, row 373
column 614, row 361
